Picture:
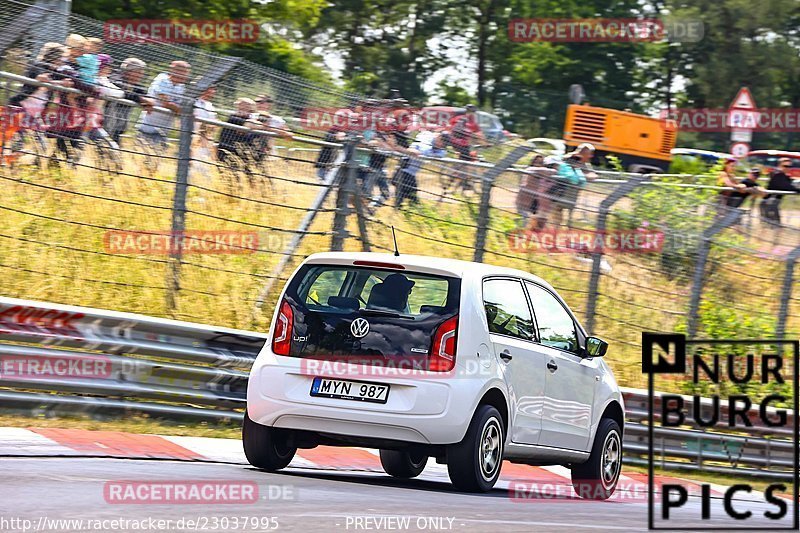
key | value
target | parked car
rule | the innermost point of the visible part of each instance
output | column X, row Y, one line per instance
column 706, row 156
column 425, row 357
column 438, row 117
column 768, row 160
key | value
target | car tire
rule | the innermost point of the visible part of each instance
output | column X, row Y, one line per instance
column 265, row 447
column 474, row 463
column 403, row 464
column 597, row 478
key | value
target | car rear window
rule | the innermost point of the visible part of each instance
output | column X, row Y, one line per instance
column 403, row 309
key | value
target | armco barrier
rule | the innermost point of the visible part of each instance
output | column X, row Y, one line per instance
column 109, row 364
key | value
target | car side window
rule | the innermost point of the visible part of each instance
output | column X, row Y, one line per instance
column 507, row 310
column 556, row 327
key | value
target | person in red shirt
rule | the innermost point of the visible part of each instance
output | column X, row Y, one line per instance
column 464, row 131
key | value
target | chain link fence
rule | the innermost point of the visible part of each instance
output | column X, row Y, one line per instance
column 205, row 218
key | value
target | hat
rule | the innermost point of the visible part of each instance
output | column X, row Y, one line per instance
column 398, row 282
column 755, row 170
column 104, row 60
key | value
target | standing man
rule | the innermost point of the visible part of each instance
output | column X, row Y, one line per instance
column 779, row 180
column 167, row 90
column 129, row 79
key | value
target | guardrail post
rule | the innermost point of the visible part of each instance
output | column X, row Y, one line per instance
column 487, row 182
column 178, row 227
column 700, row 268
column 345, row 182
column 786, row 292
column 597, row 256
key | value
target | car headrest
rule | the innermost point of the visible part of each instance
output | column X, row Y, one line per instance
column 343, row 302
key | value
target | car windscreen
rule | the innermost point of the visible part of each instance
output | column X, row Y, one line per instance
column 396, row 313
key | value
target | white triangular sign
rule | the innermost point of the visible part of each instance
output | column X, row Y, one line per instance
column 743, row 100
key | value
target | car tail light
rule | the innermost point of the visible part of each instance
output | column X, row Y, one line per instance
column 282, row 339
column 443, row 354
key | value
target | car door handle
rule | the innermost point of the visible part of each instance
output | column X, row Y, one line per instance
column 506, row 356
column 552, row 366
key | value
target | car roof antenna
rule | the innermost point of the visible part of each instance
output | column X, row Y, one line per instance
column 394, row 237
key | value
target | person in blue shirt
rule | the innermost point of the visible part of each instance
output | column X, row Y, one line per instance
column 572, row 175
column 406, row 187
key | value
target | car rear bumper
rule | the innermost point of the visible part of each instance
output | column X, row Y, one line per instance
column 429, row 408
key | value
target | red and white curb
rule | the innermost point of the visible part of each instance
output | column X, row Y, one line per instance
column 528, row 481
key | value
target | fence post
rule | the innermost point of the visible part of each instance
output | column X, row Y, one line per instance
column 700, row 268
column 330, row 179
column 178, row 226
column 22, row 25
column 487, row 182
column 345, row 183
column 597, row 256
column 786, row 293
column 55, row 25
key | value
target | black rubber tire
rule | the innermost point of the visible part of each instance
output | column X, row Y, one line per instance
column 588, row 478
column 465, row 459
column 402, row 464
column 265, row 447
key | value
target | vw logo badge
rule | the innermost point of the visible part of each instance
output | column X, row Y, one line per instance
column 359, row 327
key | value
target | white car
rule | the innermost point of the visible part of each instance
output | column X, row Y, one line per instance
column 420, row 357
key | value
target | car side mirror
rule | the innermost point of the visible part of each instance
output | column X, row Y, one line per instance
column 595, row 347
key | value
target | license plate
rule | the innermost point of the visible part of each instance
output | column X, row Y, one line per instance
column 361, row 391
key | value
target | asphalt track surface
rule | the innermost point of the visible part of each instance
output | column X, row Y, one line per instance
column 48, row 491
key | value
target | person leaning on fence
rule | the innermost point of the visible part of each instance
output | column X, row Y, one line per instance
column 264, row 144
column 560, row 191
column 748, row 188
column 528, row 197
column 406, row 186
column 326, row 158
column 727, row 178
column 202, row 143
column 29, row 104
column 167, row 90
column 71, row 112
column 236, row 148
column 128, row 78
column 779, row 180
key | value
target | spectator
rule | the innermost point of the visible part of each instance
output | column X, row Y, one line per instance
column 561, row 191
column 464, row 132
column 406, row 187
column 203, row 133
column 779, row 180
column 269, row 122
column 50, row 58
column 129, row 79
column 528, row 196
column 326, row 159
column 727, row 178
column 748, row 187
column 234, row 142
column 167, row 90
column 95, row 130
column 89, row 62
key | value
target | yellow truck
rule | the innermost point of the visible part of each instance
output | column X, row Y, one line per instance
column 642, row 143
